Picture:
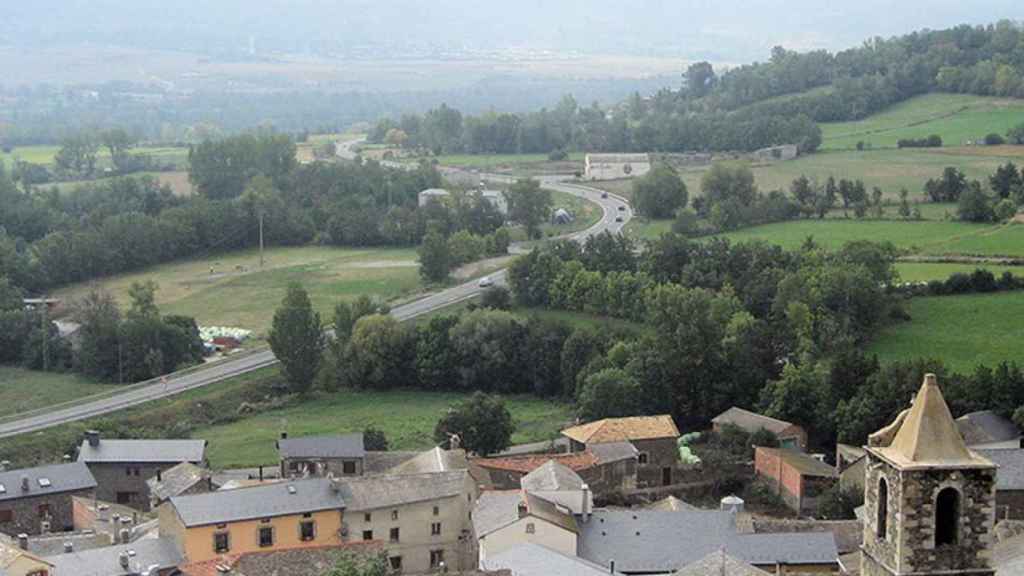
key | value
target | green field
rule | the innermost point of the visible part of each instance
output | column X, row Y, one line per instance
column 44, row 155
column 925, row 271
column 406, row 417
column 957, row 118
column 24, row 390
column 587, row 214
column 240, row 294
column 962, row 331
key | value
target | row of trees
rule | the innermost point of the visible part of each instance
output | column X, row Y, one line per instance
column 998, row 201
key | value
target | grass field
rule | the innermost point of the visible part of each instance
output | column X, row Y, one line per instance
column 957, row 118
column 45, row 154
column 24, row 390
column 178, row 181
column 963, row 331
column 925, row 271
column 240, row 294
column 406, row 417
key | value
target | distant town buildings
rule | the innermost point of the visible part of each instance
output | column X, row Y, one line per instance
column 615, row 166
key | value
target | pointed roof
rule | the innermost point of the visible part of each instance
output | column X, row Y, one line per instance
column 623, row 429
column 552, row 476
column 927, row 436
column 719, row 564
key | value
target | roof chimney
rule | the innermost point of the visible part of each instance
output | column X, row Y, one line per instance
column 159, row 475
column 24, row 483
column 611, row 566
column 523, row 511
column 122, row 559
column 126, row 536
column 93, row 437
column 67, row 458
column 23, row 541
column 585, row 509
column 69, row 547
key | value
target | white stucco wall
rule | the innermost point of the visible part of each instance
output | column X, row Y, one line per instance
column 545, row 534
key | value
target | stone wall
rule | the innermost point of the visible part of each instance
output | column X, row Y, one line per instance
column 661, row 453
column 114, row 478
column 26, row 518
column 1010, row 505
column 291, row 467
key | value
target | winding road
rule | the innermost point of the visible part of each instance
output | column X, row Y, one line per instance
column 613, row 208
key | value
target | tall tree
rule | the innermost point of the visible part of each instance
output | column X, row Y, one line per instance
column 660, row 192
column 530, row 205
column 482, row 424
column 435, row 257
column 297, row 338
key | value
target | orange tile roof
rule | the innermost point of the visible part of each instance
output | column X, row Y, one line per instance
column 623, row 429
column 526, row 464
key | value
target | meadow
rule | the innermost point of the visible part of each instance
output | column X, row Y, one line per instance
column 407, row 418
column 23, row 390
column 962, row 331
column 44, row 155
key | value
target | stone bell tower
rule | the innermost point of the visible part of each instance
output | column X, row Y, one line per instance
column 929, row 501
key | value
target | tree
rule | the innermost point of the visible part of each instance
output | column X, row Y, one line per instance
column 100, row 352
column 436, row 357
column 143, row 297
column 904, row 204
column 700, row 79
column 435, row 258
column 610, row 393
column 297, row 339
column 974, row 205
column 482, row 424
column 1016, row 134
column 77, row 155
column 1005, row 180
column 660, row 192
column 496, row 298
column 382, row 353
column 354, row 564
column 529, row 205
column 948, row 188
column 118, row 143
column 374, row 439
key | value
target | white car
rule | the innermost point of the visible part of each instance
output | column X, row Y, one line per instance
column 486, row 282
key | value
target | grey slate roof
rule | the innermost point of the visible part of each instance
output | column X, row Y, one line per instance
column 985, row 427
column 111, row 451
column 105, row 561
column 62, row 478
column 345, row 446
column 613, row 451
column 529, row 559
column 751, row 421
column 495, row 510
column 176, row 480
column 310, row 495
column 1010, row 474
column 434, row 460
column 552, row 476
column 657, row 541
column 374, row 492
column 672, row 504
column 719, row 563
column 549, row 512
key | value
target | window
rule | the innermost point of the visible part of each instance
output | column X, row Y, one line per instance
column 642, row 458
column 6, row 516
column 394, row 535
column 293, row 466
column 367, row 517
column 367, row 534
column 348, row 467
column 435, row 529
column 307, row 531
column 436, row 558
column 531, row 528
column 396, row 562
column 266, row 536
column 125, row 497
column 882, row 523
column 221, row 542
column 394, row 514
column 437, row 511
column 307, row 515
column 947, row 517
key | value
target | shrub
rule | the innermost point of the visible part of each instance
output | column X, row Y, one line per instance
column 1005, row 209
column 497, row 298
column 558, row 155
column 994, row 139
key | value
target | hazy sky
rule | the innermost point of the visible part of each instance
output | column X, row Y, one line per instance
column 729, row 30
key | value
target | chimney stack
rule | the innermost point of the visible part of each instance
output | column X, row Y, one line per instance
column 93, row 437
column 159, row 475
column 122, row 559
column 69, row 547
column 23, row 541
column 585, row 509
column 611, row 567
column 24, row 483
column 126, row 536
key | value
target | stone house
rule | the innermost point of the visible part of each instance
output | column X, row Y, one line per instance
column 796, row 477
column 122, row 467
column 339, row 456
column 496, row 198
column 280, row 516
column 790, row 435
column 987, row 430
column 615, row 166
column 38, row 500
column 614, row 471
column 503, row 520
column 181, row 480
column 851, row 464
column 929, row 500
column 1009, row 482
column 655, row 439
column 17, row 562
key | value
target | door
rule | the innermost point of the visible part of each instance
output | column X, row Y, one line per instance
column 666, row 476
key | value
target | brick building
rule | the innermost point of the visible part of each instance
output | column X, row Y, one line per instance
column 122, row 467
column 929, row 500
column 796, row 477
column 38, row 500
column 655, row 439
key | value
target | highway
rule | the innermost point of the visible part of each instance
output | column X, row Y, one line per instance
column 613, row 207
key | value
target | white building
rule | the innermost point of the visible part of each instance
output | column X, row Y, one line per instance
column 616, row 166
column 495, row 198
column 432, row 194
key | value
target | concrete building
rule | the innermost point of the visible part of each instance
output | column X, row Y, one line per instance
column 790, row 435
column 433, row 195
column 777, row 153
column 322, row 455
column 122, row 467
column 286, row 515
column 38, row 500
column 181, row 480
column 17, row 562
column 422, row 519
column 655, row 439
column 796, row 477
column 503, row 520
column 987, row 430
column 615, row 166
column 929, row 500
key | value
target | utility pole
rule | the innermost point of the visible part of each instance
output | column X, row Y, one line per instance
column 261, row 237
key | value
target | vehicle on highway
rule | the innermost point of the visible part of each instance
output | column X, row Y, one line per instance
column 622, row 208
column 618, row 218
column 604, row 195
column 486, row 282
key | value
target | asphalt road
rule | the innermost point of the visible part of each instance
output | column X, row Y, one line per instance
column 613, row 207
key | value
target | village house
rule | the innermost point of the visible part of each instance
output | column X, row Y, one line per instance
column 851, row 466
column 297, row 514
column 296, row 562
column 790, row 435
column 531, row 559
column 181, row 480
column 152, row 557
column 496, row 198
column 987, row 430
column 559, row 485
column 1009, row 482
column 503, row 520
column 774, row 153
column 122, row 467
column 655, row 439
column 17, row 562
column 343, row 455
column 615, row 166
column 607, row 469
column 39, row 500
column 796, row 477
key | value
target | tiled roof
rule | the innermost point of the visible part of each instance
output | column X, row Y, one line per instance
column 373, row 492
column 986, row 427
column 345, row 446
column 143, row 451
column 106, row 561
column 926, row 437
column 10, row 553
column 54, row 479
column 526, row 464
column 751, row 421
column 529, row 559
column 802, row 463
column 623, row 429
column 176, row 480
column 495, row 510
column 281, row 499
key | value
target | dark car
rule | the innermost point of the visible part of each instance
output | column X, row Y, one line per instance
column 604, row 195
column 622, row 208
column 618, row 218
